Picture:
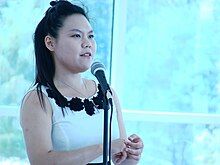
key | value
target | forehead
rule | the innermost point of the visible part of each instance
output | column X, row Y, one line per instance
column 76, row 21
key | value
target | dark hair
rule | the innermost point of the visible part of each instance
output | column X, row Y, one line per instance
column 50, row 25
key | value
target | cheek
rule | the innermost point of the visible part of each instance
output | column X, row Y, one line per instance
column 94, row 47
column 65, row 49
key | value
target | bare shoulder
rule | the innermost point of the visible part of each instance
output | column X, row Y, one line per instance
column 91, row 85
column 31, row 107
column 90, row 82
column 36, row 124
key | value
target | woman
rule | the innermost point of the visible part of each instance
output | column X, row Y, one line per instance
column 62, row 116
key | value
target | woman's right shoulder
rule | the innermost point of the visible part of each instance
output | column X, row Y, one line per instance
column 33, row 115
column 33, row 103
column 31, row 97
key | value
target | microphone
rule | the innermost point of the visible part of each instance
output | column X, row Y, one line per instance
column 98, row 70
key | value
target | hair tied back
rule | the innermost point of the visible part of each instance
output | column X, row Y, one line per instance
column 53, row 3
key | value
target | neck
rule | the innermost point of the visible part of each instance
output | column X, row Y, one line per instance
column 74, row 80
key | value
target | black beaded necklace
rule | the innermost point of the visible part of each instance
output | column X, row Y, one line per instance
column 77, row 104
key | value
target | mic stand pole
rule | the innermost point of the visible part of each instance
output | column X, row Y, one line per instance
column 106, row 130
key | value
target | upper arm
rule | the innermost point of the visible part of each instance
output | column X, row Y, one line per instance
column 119, row 115
column 36, row 125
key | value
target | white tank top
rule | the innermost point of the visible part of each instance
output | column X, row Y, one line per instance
column 78, row 129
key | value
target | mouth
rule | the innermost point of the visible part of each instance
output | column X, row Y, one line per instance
column 86, row 54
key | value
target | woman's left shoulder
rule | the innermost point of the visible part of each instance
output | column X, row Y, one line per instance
column 91, row 85
column 90, row 82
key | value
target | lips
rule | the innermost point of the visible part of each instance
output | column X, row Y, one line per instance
column 87, row 54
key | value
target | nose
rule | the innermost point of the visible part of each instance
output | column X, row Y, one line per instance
column 86, row 44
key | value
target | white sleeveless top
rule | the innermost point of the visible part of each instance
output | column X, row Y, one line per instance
column 78, row 129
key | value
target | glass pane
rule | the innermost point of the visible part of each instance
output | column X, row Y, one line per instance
column 177, row 144
column 171, row 60
column 12, row 147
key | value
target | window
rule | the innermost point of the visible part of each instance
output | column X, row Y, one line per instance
column 165, row 69
column 168, row 55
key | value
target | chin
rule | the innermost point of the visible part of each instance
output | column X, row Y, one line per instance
column 85, row 68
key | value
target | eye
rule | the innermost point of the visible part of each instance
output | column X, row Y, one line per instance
column 91, row 36
column 76, row 35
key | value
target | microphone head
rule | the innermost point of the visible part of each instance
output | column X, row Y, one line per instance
column 97, row 66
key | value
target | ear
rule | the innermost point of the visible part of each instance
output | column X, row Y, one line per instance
column 49, row 42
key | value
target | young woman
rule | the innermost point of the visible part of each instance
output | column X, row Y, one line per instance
column 62, row 115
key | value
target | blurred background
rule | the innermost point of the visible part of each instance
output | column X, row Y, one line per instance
column 162, row 58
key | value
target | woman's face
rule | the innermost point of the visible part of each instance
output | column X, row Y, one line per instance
column 75, row 46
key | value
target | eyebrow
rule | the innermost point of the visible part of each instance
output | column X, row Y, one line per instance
column 91, row 31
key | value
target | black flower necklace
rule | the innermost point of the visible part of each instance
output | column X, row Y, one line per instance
column 77, row 104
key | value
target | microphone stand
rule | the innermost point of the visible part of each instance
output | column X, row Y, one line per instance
column 105, row 136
